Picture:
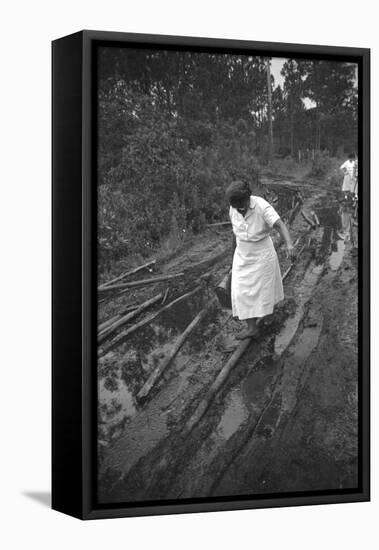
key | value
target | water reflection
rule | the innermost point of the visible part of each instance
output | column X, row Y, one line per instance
column 115, row 399
column 234, row 415
column 342, row 235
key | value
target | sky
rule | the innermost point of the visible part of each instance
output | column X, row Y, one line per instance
column 276, row 66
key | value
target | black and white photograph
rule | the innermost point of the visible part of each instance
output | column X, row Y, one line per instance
column 188, row 241
column 227, row 263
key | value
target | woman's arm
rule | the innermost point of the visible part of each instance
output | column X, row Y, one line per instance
column 234, row 244
column 282, row 228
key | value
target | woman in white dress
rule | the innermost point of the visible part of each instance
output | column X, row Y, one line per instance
column 256, row 278
column 349, row 169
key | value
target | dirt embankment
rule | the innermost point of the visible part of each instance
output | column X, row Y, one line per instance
column 286, row 418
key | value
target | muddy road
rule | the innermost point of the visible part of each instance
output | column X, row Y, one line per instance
column 285, row 418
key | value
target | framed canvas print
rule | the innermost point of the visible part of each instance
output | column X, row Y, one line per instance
column 210, row 274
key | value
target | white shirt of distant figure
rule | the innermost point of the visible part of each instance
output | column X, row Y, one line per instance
column 350, row 171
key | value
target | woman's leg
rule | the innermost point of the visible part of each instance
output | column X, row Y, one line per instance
column 251, row 329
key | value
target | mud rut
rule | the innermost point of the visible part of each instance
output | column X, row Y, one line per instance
column 286, row 417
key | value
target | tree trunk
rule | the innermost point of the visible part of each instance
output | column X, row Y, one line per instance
column 291, row 134
column 269, row 112
column 318, row 131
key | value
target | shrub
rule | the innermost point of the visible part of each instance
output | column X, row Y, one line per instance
column 320, row 165
column 157, row 181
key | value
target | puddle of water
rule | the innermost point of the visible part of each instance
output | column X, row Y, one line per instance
column 178, row 317
column 161, row 334
column 270, row 417
column 336, row 257
column 338, row 218
column 118, row 400
column 148, row 427
column 234, row 415
column 151, row 424
column 294, row 365
column 306, row 343
column 303, row 294
column 143, row 433
column 257, row 386
column 181, row 361
column 254, row 388
column 329, row 216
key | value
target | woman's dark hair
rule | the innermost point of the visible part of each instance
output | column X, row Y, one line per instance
column 351, row 156
column 237, row 192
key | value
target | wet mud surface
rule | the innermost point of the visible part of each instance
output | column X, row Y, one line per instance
column 285, row 420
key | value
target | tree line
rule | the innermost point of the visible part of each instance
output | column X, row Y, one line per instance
column 174, row 127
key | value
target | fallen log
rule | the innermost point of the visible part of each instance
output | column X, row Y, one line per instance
column 292, row 210
column 124, row 335
column 127, row 274
column 218, row 224
column 222, row 376
column 142, row 282
column 108, row 331
column 115, row 318
column 315, row 217
column 157, row 373
column 287, row 272
column 165, row 296
column 308, row 220
column 208, row 262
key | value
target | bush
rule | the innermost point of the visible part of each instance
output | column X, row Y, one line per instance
column 335, row 179
column 320, row 165
column 156, row 182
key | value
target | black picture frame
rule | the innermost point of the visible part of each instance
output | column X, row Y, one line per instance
column 74, row 275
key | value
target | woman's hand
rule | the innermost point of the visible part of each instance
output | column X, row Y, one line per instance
column 281, row 227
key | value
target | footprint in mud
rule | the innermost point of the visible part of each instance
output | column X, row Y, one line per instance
column 304, row 293
column 257, row 386
column 226, row 343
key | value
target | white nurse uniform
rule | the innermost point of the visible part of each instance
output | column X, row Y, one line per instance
column 256, row 279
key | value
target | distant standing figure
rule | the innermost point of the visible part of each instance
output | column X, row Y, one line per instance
column 256, row 279
column 356, row 179
column 349, row 168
